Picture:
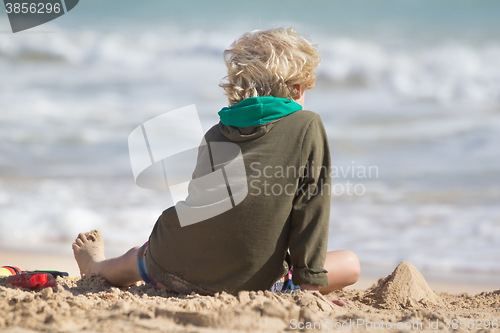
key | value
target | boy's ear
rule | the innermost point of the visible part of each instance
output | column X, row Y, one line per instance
column 300, row 91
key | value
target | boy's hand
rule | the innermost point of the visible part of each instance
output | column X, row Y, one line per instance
column 309, row 287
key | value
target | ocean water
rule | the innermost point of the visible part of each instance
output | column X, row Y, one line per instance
column 409, row 90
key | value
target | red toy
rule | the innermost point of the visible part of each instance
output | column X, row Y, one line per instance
column 32, row 281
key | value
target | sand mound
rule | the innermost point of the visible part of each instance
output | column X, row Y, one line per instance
column 404, row 288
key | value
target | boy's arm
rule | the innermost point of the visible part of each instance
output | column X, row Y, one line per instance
column 311, row 211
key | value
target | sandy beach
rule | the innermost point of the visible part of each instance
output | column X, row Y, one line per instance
column 403, row 301
column 408, row 93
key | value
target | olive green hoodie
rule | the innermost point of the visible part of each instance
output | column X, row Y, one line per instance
column 287, row 163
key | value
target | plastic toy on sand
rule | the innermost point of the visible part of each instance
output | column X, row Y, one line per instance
column 9, row 270
column 32, row 281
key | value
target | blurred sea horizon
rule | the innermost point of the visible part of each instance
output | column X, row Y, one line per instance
column 411, row 87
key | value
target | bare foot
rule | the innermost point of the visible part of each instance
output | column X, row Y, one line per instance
column 88, row 249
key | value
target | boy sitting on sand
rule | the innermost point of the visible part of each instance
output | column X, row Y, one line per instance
column 282, row 224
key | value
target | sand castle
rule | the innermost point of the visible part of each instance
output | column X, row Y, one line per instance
column 404, row 288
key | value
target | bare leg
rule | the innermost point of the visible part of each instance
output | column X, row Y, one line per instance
column 88, row 249
column 343, row 270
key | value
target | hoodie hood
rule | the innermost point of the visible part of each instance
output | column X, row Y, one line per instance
column 255, row 111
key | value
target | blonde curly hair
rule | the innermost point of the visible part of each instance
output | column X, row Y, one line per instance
column 269, row 63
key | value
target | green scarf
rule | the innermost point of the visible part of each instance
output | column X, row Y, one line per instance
column 256, row 111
